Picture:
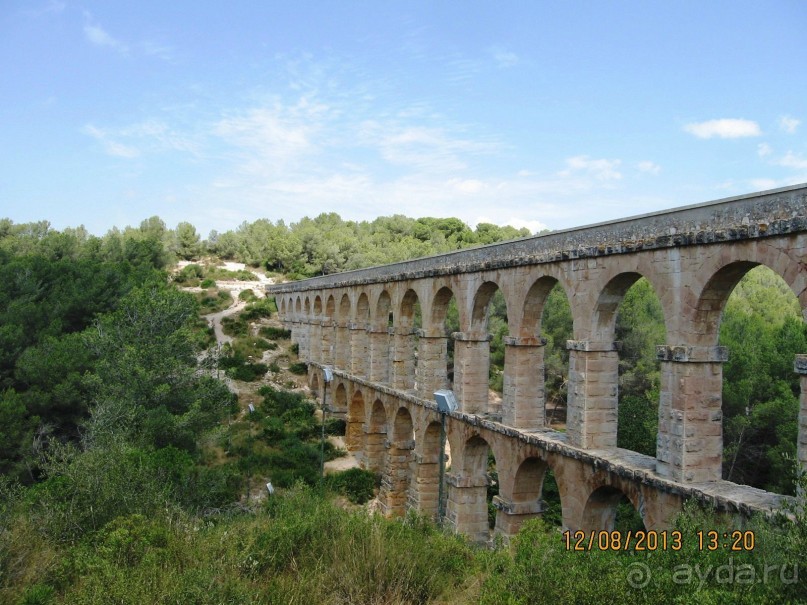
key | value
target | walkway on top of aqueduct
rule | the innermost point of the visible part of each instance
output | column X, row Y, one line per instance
column 363, row 323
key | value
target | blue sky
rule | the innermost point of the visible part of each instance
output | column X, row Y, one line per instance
column 537, row 114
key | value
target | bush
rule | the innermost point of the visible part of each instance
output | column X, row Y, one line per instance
column 207, row 283
column 357, row 484
column 247, row 295
column 248, row 372
column 274, row 333
column 258, row 309
column 300, row 368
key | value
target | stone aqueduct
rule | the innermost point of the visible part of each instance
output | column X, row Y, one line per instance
column 385, row 372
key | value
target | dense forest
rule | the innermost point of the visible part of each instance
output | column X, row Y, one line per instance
column 123, row 457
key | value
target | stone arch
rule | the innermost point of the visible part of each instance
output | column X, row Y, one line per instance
column 534, row 302
column 395, row 487
column 404, row 359
column 343, row 355
column 383, row 308
column 525, row 498
column 359, row 337
column 482, row 298
column 307, row 307
column 330, row 308
column 600, row 510
column 318, row 307
column 298, row 307
column 363, row 310
column 378, row 365
column 340, row 399
column 354, row 436
column 593, row 399
column 467, row 499
column 472, row 367
column 525, row 398
column 425, row 488
column 435, row 347
column 375, row 450
column 314, row 383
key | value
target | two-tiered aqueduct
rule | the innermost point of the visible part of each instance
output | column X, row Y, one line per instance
column 385, row 372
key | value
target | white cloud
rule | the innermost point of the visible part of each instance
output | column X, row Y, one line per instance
column 111, row 147
column 789, row 124
column 764, row 150
column 762, row 184
column 503, row 58
column 467, row 186
column 98, row 36
column 421, row 147
column 724, row 129
column 791, row 160
column 649, row 167
column 603, row 170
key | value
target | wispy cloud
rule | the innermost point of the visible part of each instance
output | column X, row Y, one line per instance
column 427, row 148
column 648, row 167
column 503, row 58
column 726, row 128
column 764, row 150
column 98, row 36
column 111, row 147
column 789, row 124
column 792, row 160
column 603, row 170
column 148, row 136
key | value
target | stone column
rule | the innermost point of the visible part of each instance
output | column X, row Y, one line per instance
column 425, row 489
column 471, row 371
column 689, row 446
column 432, row 358
column 510, row 515
column 591, row 420
column 523, row 397
column 327, row 337
column 315, row 342
column 295, row 327
column 359, row 351
column 305, row 341
column 379, row 354
column 395, row 482
column 403, row 359
column 342, row 353
column 800, row 367
column 375, row 449
column 467, row 508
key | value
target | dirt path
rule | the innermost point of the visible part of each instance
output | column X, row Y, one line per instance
column 214, row 319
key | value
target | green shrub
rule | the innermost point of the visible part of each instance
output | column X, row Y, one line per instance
column 299, row 368
column 247, row 295
column 274, row 333
column 207, row 283
column 258, row 309
column 357, row 484
column 336, row 426
column 248, row 372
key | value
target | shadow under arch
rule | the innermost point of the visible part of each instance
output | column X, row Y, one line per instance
column 375, row 450
column 354, row 433
column 468, row 490
column 608, row 508
column 395, row 487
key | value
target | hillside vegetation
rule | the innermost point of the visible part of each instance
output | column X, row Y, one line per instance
column 128, row 469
